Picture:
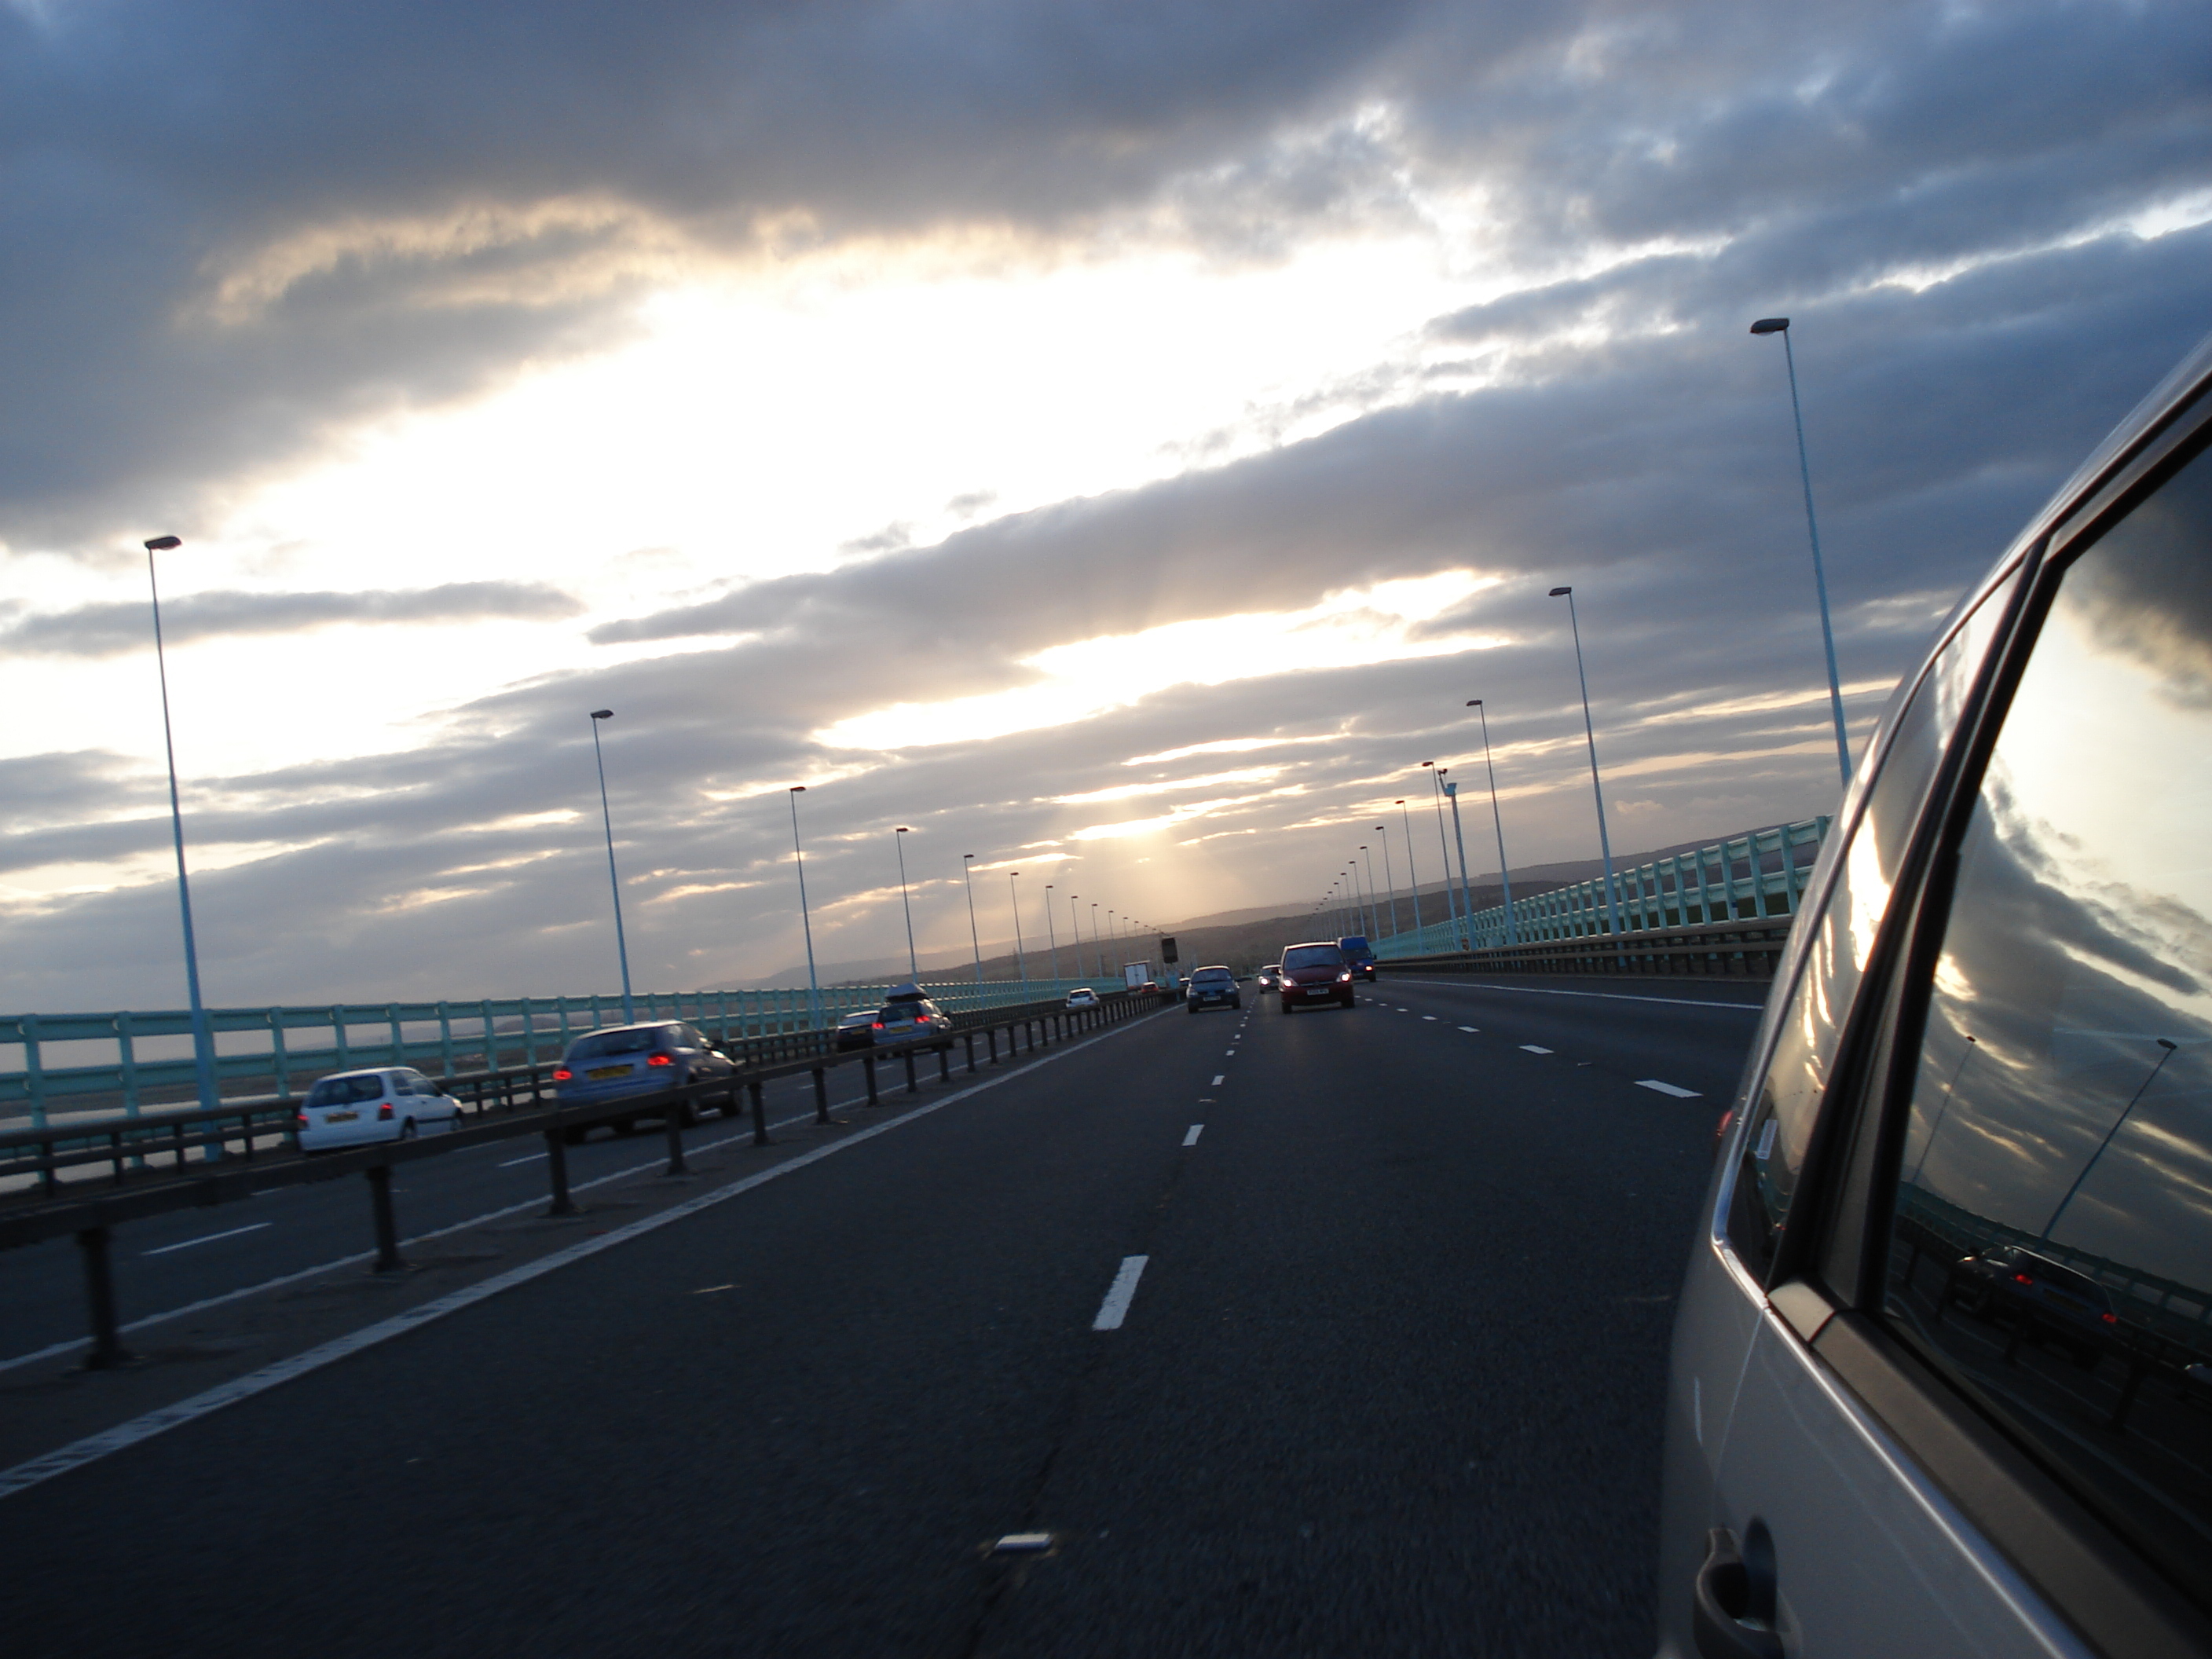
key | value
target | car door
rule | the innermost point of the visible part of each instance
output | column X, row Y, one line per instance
column 2000, row 1038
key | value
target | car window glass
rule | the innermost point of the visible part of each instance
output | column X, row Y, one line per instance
column 602, row 1044
column 1785, row 1106
column 345, row 1090
column 2052, row 1240
column 1313, row 956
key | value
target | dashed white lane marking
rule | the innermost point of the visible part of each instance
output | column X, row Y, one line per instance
column 1533, row 1049
column 123, row 1436
column 1232, row 1053
column 1123, row 1291
column 531, row 1158
column 1218, row 1081
column 1428, row 1017
column 1191, row 1140
column 208, row 1239
column 1477, row 1030
column 1666, row 1088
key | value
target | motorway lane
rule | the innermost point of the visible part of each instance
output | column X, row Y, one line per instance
column 1390, row 1383
column 179, row 1260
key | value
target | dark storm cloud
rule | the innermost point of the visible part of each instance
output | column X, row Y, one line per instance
column 489, row 181
column 105, row 631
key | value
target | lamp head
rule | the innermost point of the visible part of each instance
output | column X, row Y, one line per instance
column 603, row 713
column 798, row 788
column 1560, row 592
column 901, row 831
column 964, row 857
column 1771, row 325
column 162, row 544
column 1474, row 703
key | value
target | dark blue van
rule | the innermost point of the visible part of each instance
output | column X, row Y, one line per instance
column 1357, row 956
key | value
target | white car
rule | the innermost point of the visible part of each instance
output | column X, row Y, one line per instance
column 354, row 1109
column 1083, row 997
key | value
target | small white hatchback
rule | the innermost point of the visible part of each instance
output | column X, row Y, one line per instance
column 353, row 1109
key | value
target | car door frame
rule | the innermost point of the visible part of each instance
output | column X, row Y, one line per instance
column 1829, row 1263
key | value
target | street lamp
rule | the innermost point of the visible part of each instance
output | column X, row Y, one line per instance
column 1459, row 836
column 1389, row 880
column 813, row 985
column 607, row 817
column 1052, row 935
column 1443, row 850
column 203, row 1037
column 2166, row 1053
column 1412, row 877
column 1604, row 841
column 1095, row 945
column 1021, row 956
column 898, row 840
column 974, row 943
column 1505, row 880
column 1375, row 915
column 1781, row 326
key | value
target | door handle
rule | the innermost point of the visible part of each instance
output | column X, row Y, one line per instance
column 1724, row 1603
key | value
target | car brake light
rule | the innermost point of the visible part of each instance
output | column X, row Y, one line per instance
column 2109, row 1319
column 300, row 1119
column 659, row 1059
column 384, row 1112
column 2023, row 1279
column 563, row 1074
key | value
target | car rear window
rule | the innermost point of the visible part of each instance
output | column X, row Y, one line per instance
column 634, row 1040
column 346, row 1090
column 1314, row 955
column 1212, row 975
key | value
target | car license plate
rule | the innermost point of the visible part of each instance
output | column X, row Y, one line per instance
column 340, row 1117
column 598, row 1071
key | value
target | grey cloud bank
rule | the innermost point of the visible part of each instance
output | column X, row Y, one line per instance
column 1972, row 216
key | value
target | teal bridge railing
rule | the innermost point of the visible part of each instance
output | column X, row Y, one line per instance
column 1761, row 874
column 105, row 1062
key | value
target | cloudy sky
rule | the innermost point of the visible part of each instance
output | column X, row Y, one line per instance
column 1112, row 440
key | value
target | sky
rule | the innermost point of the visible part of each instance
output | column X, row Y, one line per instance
column 1113, row 440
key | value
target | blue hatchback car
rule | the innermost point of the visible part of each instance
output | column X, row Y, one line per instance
column 620, row 1060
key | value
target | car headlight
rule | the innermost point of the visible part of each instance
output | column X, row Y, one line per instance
column 1345, row 978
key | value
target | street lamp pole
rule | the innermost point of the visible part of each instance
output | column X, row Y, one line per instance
column 1604, row 841
column 898, row 840
column 1496, row 823
column 1781, row 326
column 202, row 1037
column 974, row 941
column 1443, row 850
column 607, row 817
column 1052, row 935
column 1413, row 876
column 1372, row 911
column 813, row 984
column 1021, row 956
column 2050, row 1226
column 1389, row 880
column 1466, row 898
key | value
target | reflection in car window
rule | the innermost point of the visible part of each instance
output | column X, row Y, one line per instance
column 1785, row 1107
column 2052, row 1242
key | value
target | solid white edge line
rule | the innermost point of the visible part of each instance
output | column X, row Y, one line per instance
column 1534, row 1048
column 1668, row 1089
column 91, row 1448
column 208, row 1239
column 1606, row 996
column 1191, row 1140
column 1113, row 1310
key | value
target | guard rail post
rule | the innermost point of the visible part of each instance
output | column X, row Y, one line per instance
column 557, row 1157
column 107, row 1349
column 820, row 1095
column 944, row 1062
column 759, row 1098
column 913, row 1086
column 673, row 1123
column 868, row 1065
column 388, row 1259
column 970, row 1037
column 991, row 1036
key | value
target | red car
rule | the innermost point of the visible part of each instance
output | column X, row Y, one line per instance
column 1316, row 973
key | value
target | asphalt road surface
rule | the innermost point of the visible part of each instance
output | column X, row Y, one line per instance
column 1385, row 1304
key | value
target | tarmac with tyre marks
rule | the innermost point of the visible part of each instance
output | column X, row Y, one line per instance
column 1387, row 1379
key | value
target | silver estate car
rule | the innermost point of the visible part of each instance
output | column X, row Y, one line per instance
column 1934, row 1386
column 620, row 1060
